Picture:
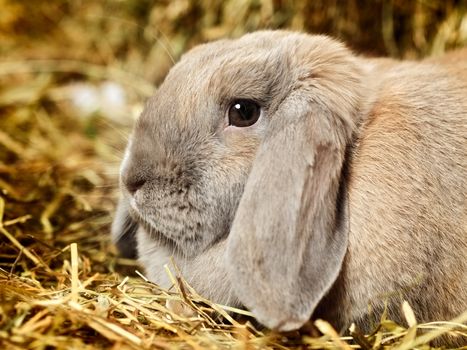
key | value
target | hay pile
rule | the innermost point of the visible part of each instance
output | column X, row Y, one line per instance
column 62, row 285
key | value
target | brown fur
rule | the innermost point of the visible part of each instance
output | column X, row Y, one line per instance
column 348, row 192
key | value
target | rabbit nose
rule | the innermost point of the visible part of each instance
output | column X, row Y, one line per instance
column 134, row 176
column 134, row 184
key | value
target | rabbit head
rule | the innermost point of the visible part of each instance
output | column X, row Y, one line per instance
column 267, row 116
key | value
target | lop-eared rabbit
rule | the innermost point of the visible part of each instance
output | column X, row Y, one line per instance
column 287, row 175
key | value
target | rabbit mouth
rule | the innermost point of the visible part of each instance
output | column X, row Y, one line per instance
column 150, row 229
column 184, row 239
column 159, row 237
column 188, row 223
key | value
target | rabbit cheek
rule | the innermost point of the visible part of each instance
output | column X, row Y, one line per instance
column 168, row 214
column 242, row 145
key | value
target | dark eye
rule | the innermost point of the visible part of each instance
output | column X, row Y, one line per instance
column 243, row 113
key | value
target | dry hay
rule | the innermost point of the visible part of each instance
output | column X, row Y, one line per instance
column 62, row 285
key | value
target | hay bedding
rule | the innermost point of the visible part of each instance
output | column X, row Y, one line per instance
column 62, row 286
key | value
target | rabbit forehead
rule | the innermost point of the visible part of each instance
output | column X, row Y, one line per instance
column 195, row 96
column 251, row 66
column 222, row 71
column 263, row 66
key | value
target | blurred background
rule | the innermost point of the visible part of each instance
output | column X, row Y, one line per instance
column 74, row 75
column 143, row 36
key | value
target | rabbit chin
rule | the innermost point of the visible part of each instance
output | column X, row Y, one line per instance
column 206, row 273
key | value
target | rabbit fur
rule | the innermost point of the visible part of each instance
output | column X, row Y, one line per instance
column 348, row 194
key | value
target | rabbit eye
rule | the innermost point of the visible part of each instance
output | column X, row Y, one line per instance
column 243, row 113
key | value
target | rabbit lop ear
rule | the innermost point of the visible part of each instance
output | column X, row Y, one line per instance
column 289, row 235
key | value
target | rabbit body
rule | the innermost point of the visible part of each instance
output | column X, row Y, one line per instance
column 407, row 198
column 349, row 192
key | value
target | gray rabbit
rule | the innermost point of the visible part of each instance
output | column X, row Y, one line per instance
column 285, row 174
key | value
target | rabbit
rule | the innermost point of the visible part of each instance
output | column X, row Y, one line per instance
column 287, row 175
